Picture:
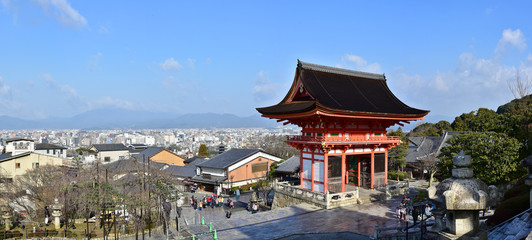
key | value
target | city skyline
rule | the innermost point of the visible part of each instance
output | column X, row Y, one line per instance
column 63, row 58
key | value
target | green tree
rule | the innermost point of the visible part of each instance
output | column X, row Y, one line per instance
column 398, row 153
column 482, row 120
column 203, row 151
column 495, row 156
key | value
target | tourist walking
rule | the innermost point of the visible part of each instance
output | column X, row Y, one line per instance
column 228, row 214
column 46, row 215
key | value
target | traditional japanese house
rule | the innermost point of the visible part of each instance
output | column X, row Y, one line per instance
column 344, row 115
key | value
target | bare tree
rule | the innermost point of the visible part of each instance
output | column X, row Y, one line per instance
column 35, row 189
column 520, row 87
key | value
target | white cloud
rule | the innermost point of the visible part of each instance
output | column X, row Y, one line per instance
column 265, row 89
column 111, row 102
column 63, row 12
column 5, row 90
column 170, row 65
column 67, row 92
column 360, row 64
column 513, row 38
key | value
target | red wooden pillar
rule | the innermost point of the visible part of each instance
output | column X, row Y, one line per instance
column 385, row 166
column 325, row 171
column 358, row 160
column 301, row 168
column 312, row 173
column 343, row 170
column 372, row 168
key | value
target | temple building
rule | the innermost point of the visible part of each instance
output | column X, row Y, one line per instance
column 344, row 115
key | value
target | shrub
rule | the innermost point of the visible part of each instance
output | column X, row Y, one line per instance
column 397, row 175
column 516, row 201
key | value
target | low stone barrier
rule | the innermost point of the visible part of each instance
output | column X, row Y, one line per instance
column 287, row 195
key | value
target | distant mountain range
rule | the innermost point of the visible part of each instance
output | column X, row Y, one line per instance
column 131, row 119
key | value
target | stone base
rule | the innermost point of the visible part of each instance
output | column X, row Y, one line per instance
column 481, row 235
column 281, row 200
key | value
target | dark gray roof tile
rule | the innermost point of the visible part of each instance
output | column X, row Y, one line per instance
column 44, row 146
column 228, row 158
column 110, row 147
column 291, row 165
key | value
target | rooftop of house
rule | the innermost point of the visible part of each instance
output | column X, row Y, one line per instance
column 421, row 147
column 18, row 139
column 110, row 147
column 291, row 165
column 187, row 171
column 192, row 159
column 228, row 158
column 518, row 227
column 44, row 146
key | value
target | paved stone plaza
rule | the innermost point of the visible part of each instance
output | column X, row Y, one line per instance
column 286, row 223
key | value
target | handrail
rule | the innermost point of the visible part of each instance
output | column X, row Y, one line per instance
column 299, row 138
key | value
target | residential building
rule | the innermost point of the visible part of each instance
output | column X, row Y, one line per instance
column 16, row 146
column 51, row 149
column 161, row 155
column 107, row 153
column 12, row 166
column 233, row 168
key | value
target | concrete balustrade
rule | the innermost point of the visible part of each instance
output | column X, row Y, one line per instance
column 287, row 195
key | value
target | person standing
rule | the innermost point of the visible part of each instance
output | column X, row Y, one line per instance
column 46, row 215
column 415, row 214
column 238, row 195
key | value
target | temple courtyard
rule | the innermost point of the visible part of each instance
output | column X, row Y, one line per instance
column 294, row 222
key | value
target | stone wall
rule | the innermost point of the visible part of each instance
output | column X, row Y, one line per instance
column 286, row 195
column 281, row 200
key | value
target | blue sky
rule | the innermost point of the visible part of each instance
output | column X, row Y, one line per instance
column 61, row 58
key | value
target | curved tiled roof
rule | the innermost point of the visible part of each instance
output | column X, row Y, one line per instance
column 342, row 91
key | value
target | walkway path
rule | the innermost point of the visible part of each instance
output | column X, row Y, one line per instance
column 304, row 218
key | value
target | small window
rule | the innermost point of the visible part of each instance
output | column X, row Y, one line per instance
column 320, row 134
column 335, row 134
column 308, row 134
column 378, row 134
column 35, row 165
column 107, row 159
column 48, row 151
column 121, row 158
column 54, row 151
column 17, row 165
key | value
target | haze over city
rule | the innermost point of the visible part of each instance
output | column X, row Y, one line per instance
column 64, row 58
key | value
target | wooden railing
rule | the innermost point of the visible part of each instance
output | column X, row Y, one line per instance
column 349, row 139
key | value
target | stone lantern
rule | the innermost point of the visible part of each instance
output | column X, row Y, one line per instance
column 460, row 198
column 56, row 213
column 5, row 211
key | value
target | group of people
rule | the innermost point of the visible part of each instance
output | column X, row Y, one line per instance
column 252, row 207
column 212, row 201
column 406, row 208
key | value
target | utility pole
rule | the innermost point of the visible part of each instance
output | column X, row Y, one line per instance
column 149, row 200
